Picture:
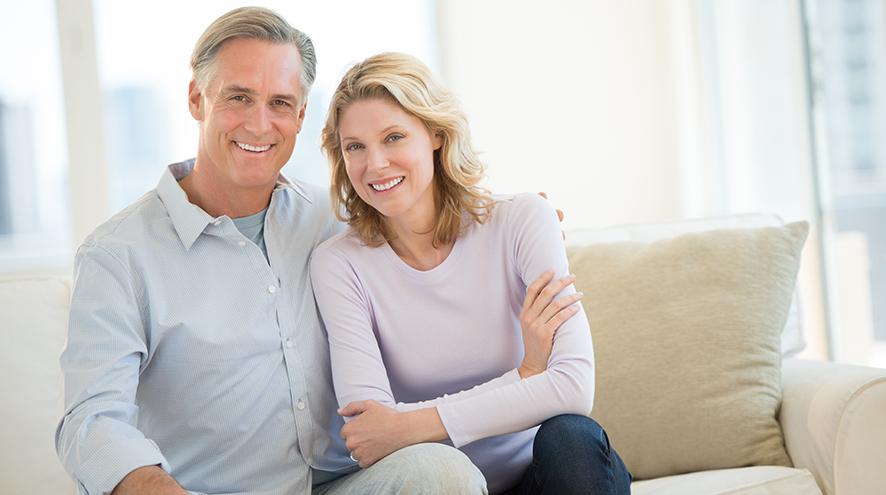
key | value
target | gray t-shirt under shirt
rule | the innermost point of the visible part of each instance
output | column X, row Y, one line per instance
column 253, row 227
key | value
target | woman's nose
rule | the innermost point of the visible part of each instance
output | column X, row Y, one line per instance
column 376, row 158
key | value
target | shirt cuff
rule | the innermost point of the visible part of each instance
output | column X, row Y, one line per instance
column 103, row 469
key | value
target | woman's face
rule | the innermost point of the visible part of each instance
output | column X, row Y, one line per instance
column 389, row 157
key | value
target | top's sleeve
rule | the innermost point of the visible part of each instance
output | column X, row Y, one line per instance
column 567, row 386
column 358, row 370
column 97, row 440
column 503, row 405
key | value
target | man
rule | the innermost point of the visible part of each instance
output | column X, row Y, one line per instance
column 196, row 361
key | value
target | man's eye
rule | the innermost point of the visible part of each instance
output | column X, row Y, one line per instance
column 281, row 103
column 240, row 98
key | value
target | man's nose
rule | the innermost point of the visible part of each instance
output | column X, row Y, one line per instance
column 258, row 120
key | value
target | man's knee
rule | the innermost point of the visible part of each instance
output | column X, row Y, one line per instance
column 435, row 468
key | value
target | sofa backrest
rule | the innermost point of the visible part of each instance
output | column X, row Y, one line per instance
column 33, row 326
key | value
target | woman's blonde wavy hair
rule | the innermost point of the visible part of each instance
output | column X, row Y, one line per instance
column 405, row 80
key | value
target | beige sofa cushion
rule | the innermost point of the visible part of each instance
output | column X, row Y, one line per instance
column 686, row 337
column 758, row 480
column 33, row 325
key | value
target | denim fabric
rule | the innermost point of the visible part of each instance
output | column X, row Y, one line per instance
column 571, row 455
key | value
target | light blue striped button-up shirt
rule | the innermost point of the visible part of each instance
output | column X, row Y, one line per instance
column 188, row 349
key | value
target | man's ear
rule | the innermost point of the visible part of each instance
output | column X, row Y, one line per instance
column 301, row 116
column 195, row 101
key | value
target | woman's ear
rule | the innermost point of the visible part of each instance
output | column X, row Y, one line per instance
column 438, row 140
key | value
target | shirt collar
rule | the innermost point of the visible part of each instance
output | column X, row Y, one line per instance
column 189, row 219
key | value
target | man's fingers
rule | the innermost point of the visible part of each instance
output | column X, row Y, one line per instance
column 543, row 194
column 560, row 214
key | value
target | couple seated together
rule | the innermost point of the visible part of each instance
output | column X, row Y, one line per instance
column 450, row 315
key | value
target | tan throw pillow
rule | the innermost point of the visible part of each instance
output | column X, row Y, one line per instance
column 686, row 337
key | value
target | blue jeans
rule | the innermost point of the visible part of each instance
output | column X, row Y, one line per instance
column 571, row 454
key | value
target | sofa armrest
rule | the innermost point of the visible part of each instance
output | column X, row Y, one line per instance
column 834, row 421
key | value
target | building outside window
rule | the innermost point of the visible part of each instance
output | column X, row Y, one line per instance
column 847, row 41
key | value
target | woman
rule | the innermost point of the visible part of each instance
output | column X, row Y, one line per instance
column 450, row 313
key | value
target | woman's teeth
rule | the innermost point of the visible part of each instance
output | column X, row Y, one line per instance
column 387, row 185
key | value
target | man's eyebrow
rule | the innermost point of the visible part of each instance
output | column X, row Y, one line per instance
column 252, row 92
column 281, row 96
column 237, row 89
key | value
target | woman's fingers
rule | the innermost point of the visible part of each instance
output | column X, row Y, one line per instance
column 558, row 305
column 547, row 295
column 534, row 288
column 560, row 318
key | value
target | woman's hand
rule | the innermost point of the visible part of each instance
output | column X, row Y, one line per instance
column 376, row 430
column 540, row 318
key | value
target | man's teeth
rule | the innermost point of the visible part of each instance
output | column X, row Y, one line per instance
column 387, row 185
column 249, row 147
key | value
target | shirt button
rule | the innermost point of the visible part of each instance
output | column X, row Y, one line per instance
column 216, row 223
column 300, row 405
column 289, row 343
column 241, row 243
column 272, row 289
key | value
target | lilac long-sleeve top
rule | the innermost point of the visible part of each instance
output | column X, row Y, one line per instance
column 450, row 337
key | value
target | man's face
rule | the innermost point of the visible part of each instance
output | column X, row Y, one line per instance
column 250, row 113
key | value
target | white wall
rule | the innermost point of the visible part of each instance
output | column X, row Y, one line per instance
column 571, row 97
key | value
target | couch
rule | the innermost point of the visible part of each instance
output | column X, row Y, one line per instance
column 833, row 416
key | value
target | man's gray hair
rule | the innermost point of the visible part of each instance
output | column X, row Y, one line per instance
column 251, row 23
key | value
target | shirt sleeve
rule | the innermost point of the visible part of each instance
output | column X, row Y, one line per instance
column 567, row 386
column 97, row 440
column 503, row 405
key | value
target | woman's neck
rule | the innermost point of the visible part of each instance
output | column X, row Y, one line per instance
column 418, row 250
column 414, row 239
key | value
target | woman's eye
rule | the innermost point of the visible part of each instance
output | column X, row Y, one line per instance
column 353, row 147
column 395, row 137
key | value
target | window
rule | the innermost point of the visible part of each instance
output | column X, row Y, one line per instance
column 847, row 60
column 34, row 218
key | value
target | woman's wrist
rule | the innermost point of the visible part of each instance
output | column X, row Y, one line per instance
column 424, row 425
column 528, row 371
